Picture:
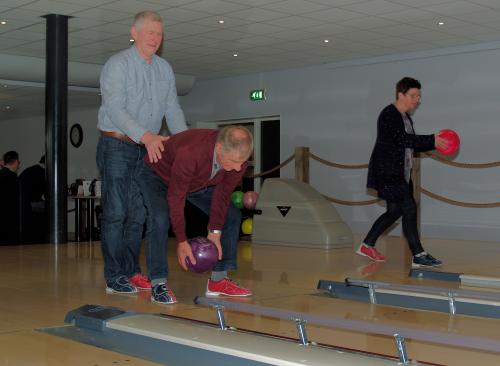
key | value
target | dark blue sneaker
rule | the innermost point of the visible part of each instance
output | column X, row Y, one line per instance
column 120, row 286
column 161, row 294
column 425, row 260
column 436, row 262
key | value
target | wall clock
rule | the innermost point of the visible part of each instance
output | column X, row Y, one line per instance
column 76, row 135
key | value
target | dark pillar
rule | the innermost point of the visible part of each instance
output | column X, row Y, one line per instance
column 56, row 126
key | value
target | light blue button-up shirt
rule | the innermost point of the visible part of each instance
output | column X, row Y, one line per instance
column 136, row 95
column 215, row 165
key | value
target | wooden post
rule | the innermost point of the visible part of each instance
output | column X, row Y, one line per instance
column 302, row 164
column 416, row 183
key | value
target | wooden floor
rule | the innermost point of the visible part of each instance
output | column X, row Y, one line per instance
column 41, row 283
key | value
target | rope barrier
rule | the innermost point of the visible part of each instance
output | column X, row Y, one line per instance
column 337, row 165
column 290, row 158
column 421, row 189
column 458, row 203
column 424, row 191
column 492, row 164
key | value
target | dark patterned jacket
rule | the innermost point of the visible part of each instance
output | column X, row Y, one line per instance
column 386, row 168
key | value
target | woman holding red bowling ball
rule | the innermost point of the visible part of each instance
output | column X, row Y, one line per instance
column 389, row 172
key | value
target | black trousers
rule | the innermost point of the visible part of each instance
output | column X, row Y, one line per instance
column 407, row 209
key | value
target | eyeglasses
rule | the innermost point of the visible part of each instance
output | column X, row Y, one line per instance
column 414, row 95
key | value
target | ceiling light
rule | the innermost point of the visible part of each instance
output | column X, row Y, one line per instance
column 220, row 21
column 7, row 108
column 235, row 55
column 326, row 40
column 131, row 40
column 440, row 23
column 3, row 22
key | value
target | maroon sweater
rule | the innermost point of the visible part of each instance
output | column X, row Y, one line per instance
column 185, row 167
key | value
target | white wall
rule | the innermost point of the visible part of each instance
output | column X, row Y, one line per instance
column 333, row 110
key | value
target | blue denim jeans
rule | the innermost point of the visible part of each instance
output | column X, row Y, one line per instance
column 155, row 192
column 123, row 213
column 230, row 232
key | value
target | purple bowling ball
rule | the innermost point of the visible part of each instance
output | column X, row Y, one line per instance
column 205, row 253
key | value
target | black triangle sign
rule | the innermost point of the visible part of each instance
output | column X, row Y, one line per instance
column 284, row 210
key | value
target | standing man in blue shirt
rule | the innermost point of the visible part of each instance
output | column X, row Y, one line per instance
column 138, row 90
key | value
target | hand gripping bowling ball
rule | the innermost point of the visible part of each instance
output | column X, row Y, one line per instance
column 237, row 198
column 250, row 199
column 205, row 253
column 452, row 140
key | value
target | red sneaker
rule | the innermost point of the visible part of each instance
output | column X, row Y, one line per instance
column 140, row 282
column 370, row 252
column 226, row 287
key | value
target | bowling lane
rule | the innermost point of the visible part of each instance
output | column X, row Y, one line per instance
column 41, row 283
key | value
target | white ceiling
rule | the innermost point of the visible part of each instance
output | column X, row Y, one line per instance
column 265, row 34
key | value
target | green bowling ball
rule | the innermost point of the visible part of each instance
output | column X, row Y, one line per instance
column 237, row 198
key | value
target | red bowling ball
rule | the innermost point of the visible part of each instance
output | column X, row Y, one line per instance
column 250, row 199
column 205, row 253
column 453, row 141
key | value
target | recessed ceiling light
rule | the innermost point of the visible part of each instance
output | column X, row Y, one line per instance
column 235, row 55
column 326, row 40
column 220, row 21
column 131, row 40
column 440, row 23
column 3, row 22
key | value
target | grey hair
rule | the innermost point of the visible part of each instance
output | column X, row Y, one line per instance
column 236, row 139
column 147, row 14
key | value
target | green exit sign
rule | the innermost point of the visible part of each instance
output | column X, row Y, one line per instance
column 259, row 94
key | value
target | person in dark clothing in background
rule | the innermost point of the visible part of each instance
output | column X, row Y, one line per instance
column 33, row 215
column 9, row 198
column 389, row 172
